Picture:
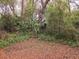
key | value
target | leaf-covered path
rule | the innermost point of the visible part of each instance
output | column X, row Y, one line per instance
column 35, row 49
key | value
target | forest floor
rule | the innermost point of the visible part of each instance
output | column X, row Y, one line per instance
column 36, row 49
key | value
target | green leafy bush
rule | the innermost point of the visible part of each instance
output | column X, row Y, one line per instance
column 8, row 23
column 60, row 25
column 55, row 21
column 13, row 24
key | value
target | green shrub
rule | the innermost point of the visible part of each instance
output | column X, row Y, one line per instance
column 7, row 23
column 60, row 25
column 55, row 21
column 13, row 24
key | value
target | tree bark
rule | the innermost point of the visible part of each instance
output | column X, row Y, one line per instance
column 40, row 11
column 22, row 8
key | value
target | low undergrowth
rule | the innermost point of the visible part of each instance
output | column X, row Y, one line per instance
column 52, row 39
column 13, row 38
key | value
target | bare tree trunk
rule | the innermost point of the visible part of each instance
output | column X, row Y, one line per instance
column 22, row 8
column 12, row 9
column 69, row 5
column 40, row 8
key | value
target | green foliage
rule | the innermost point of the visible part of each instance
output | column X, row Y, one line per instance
column 55, row 20
column 60, row 24
column 7, row 1
column 9, row 23
column 35, row 26
column 14, row 24
column 50, row 38
column 13, row 38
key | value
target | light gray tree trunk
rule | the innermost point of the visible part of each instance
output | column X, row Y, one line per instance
column 40, row 6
